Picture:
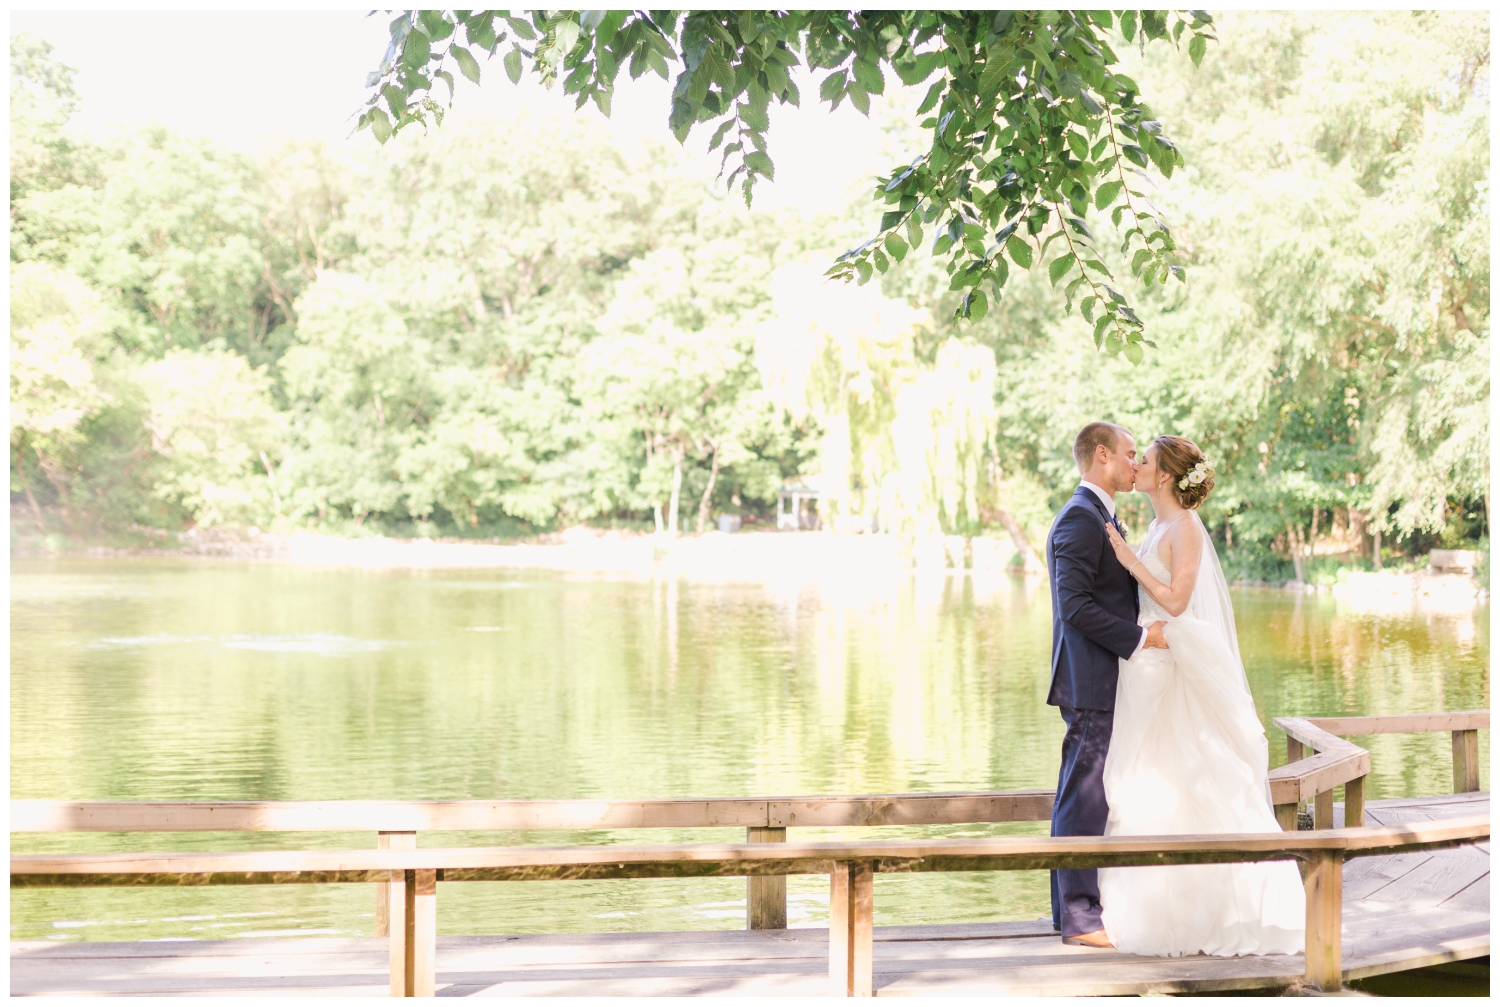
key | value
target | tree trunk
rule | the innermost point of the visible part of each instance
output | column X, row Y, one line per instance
column 656, row 516
column 1228, row 535
column 676, row 495
column 1029, row 561
column 54, row 475
column 1375, row 547
column 708, row 493
column 1294, row 546
column 271, row 474
column 36, row 508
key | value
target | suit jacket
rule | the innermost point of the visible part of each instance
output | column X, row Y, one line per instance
column 1094, row 607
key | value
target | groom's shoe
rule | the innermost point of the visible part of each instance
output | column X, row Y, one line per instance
column 1097, row 939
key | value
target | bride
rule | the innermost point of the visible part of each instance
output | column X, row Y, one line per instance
column 1189, row 753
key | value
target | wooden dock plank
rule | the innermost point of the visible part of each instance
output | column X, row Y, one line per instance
column 723, row 963
column 1030, row 963
column 1475, row 898
column 1480, row 800
column 1374, row 921
column 1367, row 875
column 1447, row 873
column 1399, row 952
column 1114, row 978
column 1440, row 805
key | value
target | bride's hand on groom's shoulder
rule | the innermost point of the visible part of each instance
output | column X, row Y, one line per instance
column 1123, row 552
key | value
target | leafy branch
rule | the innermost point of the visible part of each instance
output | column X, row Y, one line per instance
column 1026, row 113
column 1025, row 123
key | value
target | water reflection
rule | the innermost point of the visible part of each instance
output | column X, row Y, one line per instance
column 170, row 680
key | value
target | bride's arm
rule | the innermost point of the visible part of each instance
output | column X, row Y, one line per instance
column 1186, row 552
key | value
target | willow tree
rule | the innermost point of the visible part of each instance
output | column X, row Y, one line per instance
column 1031, row 123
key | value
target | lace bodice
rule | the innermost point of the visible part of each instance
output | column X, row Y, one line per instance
column 1150, row 610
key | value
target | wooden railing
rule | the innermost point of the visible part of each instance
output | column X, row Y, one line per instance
column 1312, row 779
column 396, row 823
column 851, row 867
column 1464, row 726
column 405, row 878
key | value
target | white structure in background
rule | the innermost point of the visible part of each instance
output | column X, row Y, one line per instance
column 1452, row 561
column 790, row 512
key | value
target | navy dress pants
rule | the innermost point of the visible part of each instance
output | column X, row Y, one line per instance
column 1080, row 810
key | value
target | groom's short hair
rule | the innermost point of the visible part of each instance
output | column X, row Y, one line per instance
column 1093, row 435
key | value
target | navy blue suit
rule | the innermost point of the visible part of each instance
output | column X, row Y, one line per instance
column 1094, row 611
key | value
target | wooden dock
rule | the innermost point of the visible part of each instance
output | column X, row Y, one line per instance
column 1400, row 911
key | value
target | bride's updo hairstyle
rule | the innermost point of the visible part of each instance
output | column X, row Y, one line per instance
column 1181, row 459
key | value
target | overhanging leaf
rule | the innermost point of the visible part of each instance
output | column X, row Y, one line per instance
column 1020, row 251
column 467, row 64
column 761, row 163
column 1060, row 267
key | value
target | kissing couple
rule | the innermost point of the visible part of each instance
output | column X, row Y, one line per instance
column 1162, row 734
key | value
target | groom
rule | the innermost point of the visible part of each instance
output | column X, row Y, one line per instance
column 1094, row 610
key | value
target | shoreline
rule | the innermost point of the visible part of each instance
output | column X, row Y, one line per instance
column 755, row 556
column 745, row 556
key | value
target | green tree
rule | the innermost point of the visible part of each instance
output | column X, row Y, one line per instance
column 476, row 298
column 1339, row 312
column 173, row 229
column 1032, row 123
column 57, row 330
column 216, row 431
column 43, row 155
column 77, row 441
column 672, row 377
column 517, row 326
column 836, row 358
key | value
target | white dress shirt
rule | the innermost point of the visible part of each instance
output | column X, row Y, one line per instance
column 1108, row 501
column 1109, row 505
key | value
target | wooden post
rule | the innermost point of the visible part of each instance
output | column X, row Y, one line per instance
column 396, row 921
column 1324, row 885
column 765, row 894
column 1354, row 803
column 418, row 936
column 1295, row 752
column 1286, row 817
column 1465, row 762
column 1323, row 809
column 851, row 930
column 389, row 841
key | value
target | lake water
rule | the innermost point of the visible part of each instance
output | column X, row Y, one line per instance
column 202, row 680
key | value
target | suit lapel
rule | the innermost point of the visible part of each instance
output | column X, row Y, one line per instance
column 1100, row 509
column 1093, row 498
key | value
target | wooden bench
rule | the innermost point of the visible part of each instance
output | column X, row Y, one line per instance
column 1312, row 779
column 851, row 867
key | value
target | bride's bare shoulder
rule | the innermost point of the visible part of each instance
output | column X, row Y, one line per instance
column 1178, row 531
column 1185, row 533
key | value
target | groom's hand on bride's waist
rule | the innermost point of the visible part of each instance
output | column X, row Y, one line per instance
column 1155, row 637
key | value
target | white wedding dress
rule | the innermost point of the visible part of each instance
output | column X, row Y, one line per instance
column 1189, row 756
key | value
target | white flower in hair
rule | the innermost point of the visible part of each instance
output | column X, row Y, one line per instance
column 1199, row 474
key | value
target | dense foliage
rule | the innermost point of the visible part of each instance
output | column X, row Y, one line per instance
column 499, row 328
column 1031, row 121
